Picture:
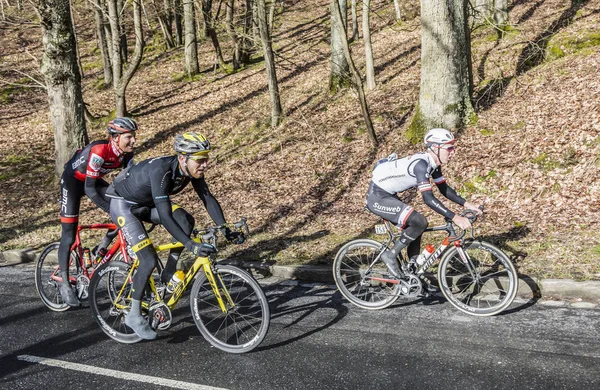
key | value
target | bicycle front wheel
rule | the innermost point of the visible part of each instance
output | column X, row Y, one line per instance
column 110, row 301
column 483, row 284
column 360, row 283
column 48, row 279
column 245, row 321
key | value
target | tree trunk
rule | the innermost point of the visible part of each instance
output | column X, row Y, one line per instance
column 398, row 11
column 501, row 12
column 338, row 77
column 368, row 47
column 122, row 32
column 178, row 22
column 446, row 78
column 163, row 15
column 483, row 10
column 354, row 22
column 81, row 74
column 263, row 28
column 106, row 25
column 63, row 81
column 357, row 80
column 208, row 22
column 121, row 79
column 246, row 44
column 271, row 16
column 191, row 48
column 102, row 43
column 230, row 26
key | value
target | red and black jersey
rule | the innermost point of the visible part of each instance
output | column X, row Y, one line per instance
column 97, row 159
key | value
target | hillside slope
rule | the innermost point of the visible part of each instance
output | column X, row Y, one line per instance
column 531, row 157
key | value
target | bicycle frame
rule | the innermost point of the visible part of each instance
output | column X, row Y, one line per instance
column 119, row 244
column 201, row 262
column 450, row 238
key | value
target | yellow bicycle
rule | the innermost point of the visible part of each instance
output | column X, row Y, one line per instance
column 228, row 305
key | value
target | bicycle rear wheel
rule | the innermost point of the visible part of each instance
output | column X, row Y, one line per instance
column 485, row 285
column 110, row 301
column 48, row 279
column 359, row 283
column 244, row 324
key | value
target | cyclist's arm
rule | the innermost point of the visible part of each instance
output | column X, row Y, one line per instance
column 93, row 176
column 445, row 189
column 426, row 190
column 161, row 184
column 210, row 202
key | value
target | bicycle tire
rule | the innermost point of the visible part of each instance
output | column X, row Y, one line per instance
column 45, row 269
column 108, row 280
column 245, row 324
column 350, row 268
column 492, row 293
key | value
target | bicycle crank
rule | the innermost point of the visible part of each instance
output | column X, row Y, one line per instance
column 160, row 316
column 411, row 287
column 82, row 285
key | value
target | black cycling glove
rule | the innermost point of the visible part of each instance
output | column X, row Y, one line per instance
column 199, row 249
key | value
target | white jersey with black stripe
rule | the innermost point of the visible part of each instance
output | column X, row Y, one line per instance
column 398, row 175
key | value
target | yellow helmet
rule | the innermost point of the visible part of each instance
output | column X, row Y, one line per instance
column 192, row 144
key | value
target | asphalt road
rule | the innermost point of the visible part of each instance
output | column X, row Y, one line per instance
column 316, row 341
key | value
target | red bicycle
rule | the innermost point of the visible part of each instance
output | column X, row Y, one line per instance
column 81, row 267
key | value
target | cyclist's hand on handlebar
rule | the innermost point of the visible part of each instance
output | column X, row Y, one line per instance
column 200, row 249
column 477, row 209
column 462, row 222
column 235, row 237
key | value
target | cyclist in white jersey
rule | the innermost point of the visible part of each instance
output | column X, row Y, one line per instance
column 393, row 175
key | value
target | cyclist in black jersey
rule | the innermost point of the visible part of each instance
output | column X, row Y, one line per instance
column 142, row 192
column 82, row 175
column 393, row 175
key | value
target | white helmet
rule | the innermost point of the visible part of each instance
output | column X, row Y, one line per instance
column 438, row 137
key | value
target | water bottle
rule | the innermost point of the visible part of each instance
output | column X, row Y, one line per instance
column 100, row 255
column 175, row 280
column 425, row 254
column 87, row 259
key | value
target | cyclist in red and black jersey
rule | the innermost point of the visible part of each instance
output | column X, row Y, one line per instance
column 83, row 176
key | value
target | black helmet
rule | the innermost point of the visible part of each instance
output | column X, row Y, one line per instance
column 121, row 126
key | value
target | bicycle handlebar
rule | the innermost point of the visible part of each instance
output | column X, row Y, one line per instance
column 209, row 235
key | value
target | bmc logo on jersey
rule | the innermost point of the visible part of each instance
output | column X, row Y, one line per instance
column 78, row 162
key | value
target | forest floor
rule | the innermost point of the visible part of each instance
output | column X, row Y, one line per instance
column 531, row 157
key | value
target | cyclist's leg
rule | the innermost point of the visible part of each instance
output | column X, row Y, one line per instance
column 137, row 238
column 392, row 209
column 71, row 191
column 101, row 187
column 186, row 222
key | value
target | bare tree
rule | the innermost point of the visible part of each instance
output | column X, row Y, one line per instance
column 102, row 42
column 178, row 11
column 368, row 46
column 165, row 17
column 338, row 77
column 446, row 74
column 354, row 22
column 212, row 33
column 501, row 12
column 235, row 39
column 276, row 111
column 63, row 81
column 484, row 10
column 122, row 31
column 191, row 48
column 121, row 79
column 339, row 26
column 398, row 11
